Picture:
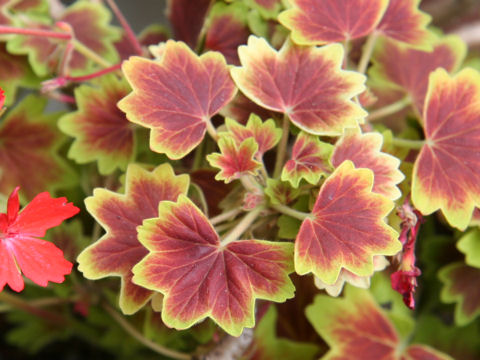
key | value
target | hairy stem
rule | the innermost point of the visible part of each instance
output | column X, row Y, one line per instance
column 389, row 109
column 290, row 212
column 211, row 130
column 367, row 52
column 90, row 54
column 225, row 216
column 407, row 143
column 242, row 226
column 282, row 147
column 35, row 32
column 126, row 26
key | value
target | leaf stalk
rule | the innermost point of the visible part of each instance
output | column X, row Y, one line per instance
column 242, row 226
column 391, row 109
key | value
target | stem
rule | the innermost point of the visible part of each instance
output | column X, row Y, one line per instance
column 88, row 53
column 211, row 130
column 389, row 109
column 35, row 32
column 282, row 147
column 242, row 226
column 249, row 183
column 126, row 26
column 410, row 144
column 367, row 52
column 346, row 45
column 225, row 216
column 143, row 340
column 290, row 212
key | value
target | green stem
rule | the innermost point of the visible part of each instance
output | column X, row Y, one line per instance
column 211, row 130
column 88, row 53
column 410, row 144
column 367, row 52
column 242, row 226
column 389, row 109
column 290, row 212
column 225, row 216
column 282, row 147
column 142, row 339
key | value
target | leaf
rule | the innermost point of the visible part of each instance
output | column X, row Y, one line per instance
column 461, row 286
column 266, row 134
column 403, row 21
column 469, row 244
column 280, row 193
column 226, row 30
column 29, row 143
column 310, row 160
column 268, row 9
column 269, row 346
column 115, row 253
column 234, row 161
column 102, row 132
column 152, row 34
column 201, row 277
column 315, row 22
column 398, row 67
column 176, row 96
column 306, row 83
column 186, row 18
column 241, row 108
column 364, row 150
column 356, row 328
column 446, row 170
column 324, row 246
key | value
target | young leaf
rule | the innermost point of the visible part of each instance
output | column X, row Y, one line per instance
column 469, row 244
column 234, row 161
column 317, row 99
column 176, row 96
column 310, row 160
column 461, row 287
column 200, row 277
column 280, row 193
column 317, row 22
column 398, row 67
column 403, row 21
column 102, row 132
column 364, row 150
column 29, row 142
column 118, row 250
column 447, row 169
column 346, row 228
column 356, row 328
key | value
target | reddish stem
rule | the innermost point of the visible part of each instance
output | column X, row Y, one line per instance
column 35, row 32
column 126, row 26
column 62, row 97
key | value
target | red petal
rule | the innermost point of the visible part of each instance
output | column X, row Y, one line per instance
column 13, row 206
column 9, row 273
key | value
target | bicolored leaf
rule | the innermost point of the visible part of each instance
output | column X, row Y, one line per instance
column 115, row 253
column 201, row 277
column 152, row 34
column 461, row 286
column 268, row 9
column 226, row 30
column 234, row 161
column 469, row 244
column 102, row 132
column 400, row 68
column 213, row 190
column 346, row 227
column 241, row 108
column 364, row 150
column 29, row 144
column 403, row 21
column 310, row 160
column 356, row 328
column 446, row 172
column 280, row 193
column 317, row 22
column 176, row 96
column 306, row 83
column 266, row 134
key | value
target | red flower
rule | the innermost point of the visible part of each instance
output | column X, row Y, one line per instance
column 20, row 249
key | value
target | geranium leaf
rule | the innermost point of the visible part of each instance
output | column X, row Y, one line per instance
column 241, row 108
column 310, row 160
column 355, row 327
column 200, row 277
column 118, row 250
column 226, row 30
column 268, row 9
column 317, row 99
column 346, row 228
column 29, row 142
column 102, row 132
column 398, row 67
column 280, row 192
column 469, row 244
column 269, row 346
column 446, row 170
column 176, row 96
column 152, row 34
column 461, row 287
column 187, row 18
column 364, row 150
column 234, row 161
column 317, row 22
column 403, row 21
column 266, row 134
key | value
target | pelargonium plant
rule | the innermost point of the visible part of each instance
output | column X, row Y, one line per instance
column 269, row 179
